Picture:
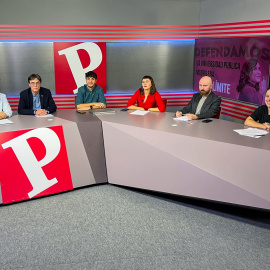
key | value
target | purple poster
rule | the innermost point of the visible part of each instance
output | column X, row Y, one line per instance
column 239, row 67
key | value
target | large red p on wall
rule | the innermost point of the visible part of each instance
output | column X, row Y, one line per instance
column 73, row 59
column 34, row 163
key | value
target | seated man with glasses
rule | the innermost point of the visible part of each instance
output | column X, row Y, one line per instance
column 36, row 100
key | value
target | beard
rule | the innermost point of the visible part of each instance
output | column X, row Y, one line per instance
column 205, row 92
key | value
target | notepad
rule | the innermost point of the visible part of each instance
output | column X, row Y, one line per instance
column 102, row 111
column 138, row 112
column 44, row 116
column 5, row 122
column 181, row 118
column 251, row 132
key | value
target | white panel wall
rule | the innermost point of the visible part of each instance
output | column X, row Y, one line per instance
column 225, row 11
column 130, row 12
column 99, row 12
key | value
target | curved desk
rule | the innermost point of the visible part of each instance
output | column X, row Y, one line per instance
column 202, row 160
column 41, row 156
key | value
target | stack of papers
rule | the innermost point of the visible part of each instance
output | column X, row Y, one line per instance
column 5, row 122
column 251, row 132
column 181, row 118
column 138, row 112
column 46, row 115
column 102, row 111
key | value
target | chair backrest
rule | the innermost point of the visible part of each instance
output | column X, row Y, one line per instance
column 218, row 113
column 165, row 102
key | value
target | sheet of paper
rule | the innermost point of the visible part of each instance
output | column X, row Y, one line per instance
column 181, row 118
column 138, row 112
column 47, row 115
column 5, row 122
column 251, row 132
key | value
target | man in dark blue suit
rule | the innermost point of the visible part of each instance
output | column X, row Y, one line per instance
column 36, row 100
column 204, row 104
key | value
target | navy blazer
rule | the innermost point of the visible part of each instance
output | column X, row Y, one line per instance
column 209, row 109
column 26, row 101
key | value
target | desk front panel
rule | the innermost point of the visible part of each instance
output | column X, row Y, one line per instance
column 202, row 160
column 42, row 156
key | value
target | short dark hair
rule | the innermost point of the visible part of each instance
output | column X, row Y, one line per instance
column 34, row 76
column 153, row 88
column 91, row 74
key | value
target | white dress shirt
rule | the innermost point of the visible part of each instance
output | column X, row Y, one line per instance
column 4, row 105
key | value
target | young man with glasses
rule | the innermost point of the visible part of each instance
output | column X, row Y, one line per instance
column 36, row 100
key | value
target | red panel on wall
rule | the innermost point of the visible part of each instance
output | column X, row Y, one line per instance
column 73, row 59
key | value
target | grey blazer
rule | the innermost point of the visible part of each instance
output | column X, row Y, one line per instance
column 209, row 109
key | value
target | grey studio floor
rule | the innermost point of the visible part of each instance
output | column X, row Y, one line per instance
column 112, row 227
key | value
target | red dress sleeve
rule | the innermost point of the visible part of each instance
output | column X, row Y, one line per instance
column 159, row 102
column 134, row 98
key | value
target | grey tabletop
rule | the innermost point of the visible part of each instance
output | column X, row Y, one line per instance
column 217, row 130
column 61, row 117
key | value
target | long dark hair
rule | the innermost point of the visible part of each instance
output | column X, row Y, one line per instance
column 245, row 74
column 153, row 88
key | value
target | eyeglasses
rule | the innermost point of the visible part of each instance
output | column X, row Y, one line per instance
column 35, row 83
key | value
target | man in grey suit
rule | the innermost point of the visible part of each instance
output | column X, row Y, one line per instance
column 204, row 104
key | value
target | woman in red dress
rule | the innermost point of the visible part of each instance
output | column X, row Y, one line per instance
column 147, row 97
